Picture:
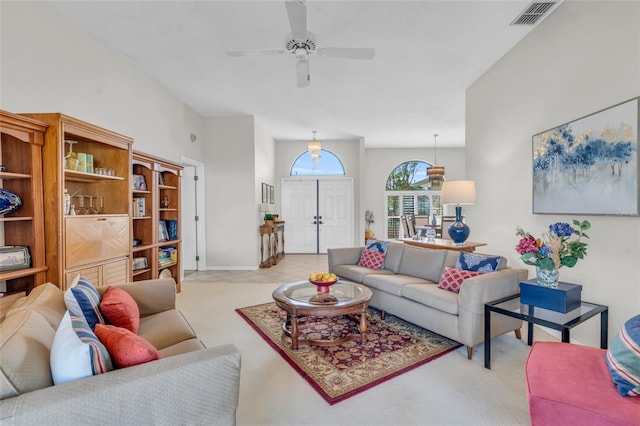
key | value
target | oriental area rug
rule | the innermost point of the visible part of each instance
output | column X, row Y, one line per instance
column 338, row 372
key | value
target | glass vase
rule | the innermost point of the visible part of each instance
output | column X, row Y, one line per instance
column 547, row 277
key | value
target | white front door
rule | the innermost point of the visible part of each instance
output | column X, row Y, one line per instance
column 299, row 207
column 318, row 214
column 336, row 213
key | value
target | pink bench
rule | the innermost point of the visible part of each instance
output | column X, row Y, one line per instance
column 569, row 384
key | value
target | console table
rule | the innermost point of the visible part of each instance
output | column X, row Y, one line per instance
column 439, row 243
column 275, row 244
column 512, row 307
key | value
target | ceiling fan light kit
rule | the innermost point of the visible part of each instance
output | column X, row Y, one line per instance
column 301, row 43
column 314, row 147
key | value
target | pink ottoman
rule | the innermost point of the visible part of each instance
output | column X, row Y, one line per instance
column 570, row 384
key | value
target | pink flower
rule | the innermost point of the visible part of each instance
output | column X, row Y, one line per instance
column 527, row 245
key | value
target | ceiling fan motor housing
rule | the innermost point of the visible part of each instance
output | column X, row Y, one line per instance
column 295, row 45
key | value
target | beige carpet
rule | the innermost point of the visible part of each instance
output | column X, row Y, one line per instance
column 338, row 372
column 450, row 390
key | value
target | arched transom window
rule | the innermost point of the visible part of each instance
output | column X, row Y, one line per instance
column 327, row 164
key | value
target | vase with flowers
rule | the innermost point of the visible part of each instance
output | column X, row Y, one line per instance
column 561, row 246
column 368, row 218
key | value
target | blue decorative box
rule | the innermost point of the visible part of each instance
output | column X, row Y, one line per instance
column 564, row 298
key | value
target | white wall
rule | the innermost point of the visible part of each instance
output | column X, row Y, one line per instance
column 584, row 57
column 232, row 233
column 47, row 65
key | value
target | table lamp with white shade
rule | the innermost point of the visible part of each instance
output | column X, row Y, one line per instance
column 459, row 192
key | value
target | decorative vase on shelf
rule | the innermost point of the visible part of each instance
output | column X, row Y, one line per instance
column 9, row 202
column 547, row 277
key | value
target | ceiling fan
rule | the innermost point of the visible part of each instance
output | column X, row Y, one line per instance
column 301, row 43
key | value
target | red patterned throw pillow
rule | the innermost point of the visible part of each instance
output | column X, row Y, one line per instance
column 120, row 309
column 371, row 259
column 126, row 348
column 452, row 278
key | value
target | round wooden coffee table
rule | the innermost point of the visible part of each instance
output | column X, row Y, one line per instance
column 295, row 298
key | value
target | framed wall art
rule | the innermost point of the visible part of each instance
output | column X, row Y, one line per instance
column 589, row 166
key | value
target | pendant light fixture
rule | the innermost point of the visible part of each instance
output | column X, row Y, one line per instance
column 314, row 147
column 435, row 172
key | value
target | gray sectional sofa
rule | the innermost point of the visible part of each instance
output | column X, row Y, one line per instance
column 407, row 287
column 191, row 384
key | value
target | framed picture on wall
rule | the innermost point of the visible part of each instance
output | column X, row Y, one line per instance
column 271, row 195
column 589, row 166
column 265, row 193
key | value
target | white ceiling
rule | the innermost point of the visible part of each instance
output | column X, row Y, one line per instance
column 427, row 54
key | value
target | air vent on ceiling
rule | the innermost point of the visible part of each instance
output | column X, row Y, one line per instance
column 532, row 14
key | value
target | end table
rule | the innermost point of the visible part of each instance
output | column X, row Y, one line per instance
column 511, row 306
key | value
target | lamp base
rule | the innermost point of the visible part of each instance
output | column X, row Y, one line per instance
column 458, row 230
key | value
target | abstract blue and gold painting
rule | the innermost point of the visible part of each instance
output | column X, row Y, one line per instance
column 590, row 165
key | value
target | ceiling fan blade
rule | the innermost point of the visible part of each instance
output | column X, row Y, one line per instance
column 297, row 13
column 302, row 73
column 255, row 52
column 347, row 52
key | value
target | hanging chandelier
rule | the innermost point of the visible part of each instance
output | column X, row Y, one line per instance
column 314, row 147
column 435, row 172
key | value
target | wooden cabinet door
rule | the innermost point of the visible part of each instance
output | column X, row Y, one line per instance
column 92, row 273
column 115, row 273
column 94, row 239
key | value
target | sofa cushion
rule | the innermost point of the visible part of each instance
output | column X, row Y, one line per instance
column 391, row 283
column 477, row 262
column 623, row 358
column 120, row 309
column 452, row 278
column 371, row 259
column 25, row 343
column 356, row 273
column 422, row 262
column 83, row 300
column 183, row 347
column 165, row 329
column 76, row 352
column 126, row 348
column 47, row 299
column 393, row 257
column 430, row 295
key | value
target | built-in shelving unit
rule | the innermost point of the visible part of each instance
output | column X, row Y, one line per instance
column 91, row 234
column 156, row 225
column 21, row 155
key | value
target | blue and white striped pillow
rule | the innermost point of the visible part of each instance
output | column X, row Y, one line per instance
column 83, row 300
column 623, row 358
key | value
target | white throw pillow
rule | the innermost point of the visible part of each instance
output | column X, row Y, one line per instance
column 78, row 353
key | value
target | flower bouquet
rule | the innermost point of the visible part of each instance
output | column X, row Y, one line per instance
column 561, row 246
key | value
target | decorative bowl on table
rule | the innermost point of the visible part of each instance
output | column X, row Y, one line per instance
column 323, row 281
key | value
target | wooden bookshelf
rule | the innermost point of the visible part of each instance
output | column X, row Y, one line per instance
column 157, row 229
column 96, row 240
column 21, row 154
